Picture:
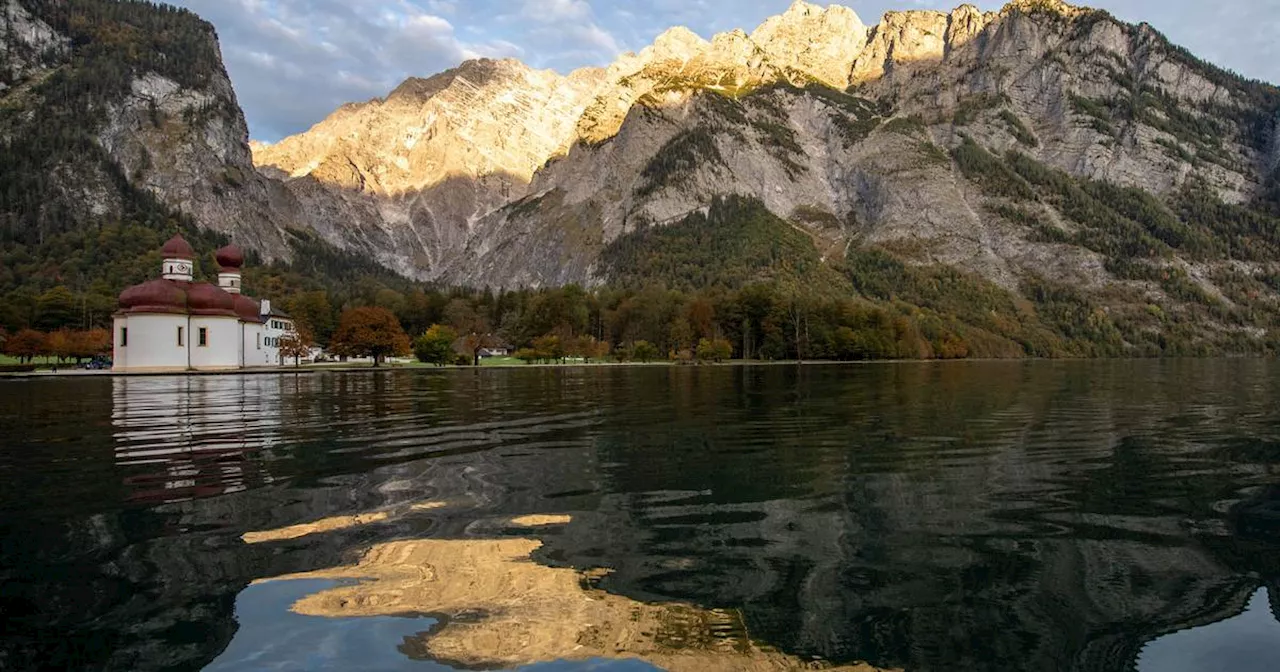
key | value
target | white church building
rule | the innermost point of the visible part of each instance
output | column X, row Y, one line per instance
column 174, row 324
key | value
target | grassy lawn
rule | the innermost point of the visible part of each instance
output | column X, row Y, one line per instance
column 41, row 362
column 500, row 361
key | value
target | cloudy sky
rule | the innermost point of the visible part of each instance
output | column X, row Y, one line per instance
column 293, row 61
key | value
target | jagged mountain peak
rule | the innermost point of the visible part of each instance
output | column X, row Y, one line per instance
column 821, row 42
column 676, row 42
column 1052, row 6
column 477, row 72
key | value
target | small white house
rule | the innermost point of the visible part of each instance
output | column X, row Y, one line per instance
column 275, row 325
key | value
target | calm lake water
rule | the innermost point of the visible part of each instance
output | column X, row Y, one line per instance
column 966, row 516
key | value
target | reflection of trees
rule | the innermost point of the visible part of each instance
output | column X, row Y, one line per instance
column 935, row 517
column 1273, row 591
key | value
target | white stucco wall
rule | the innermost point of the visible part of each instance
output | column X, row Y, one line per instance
column 255, row 351
column 119, row 355
column 272, row 334
column 223, row 344
column 153, row 343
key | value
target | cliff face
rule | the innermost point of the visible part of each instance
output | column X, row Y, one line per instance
column 403, row 178
column 494, row 174
column 101, row 124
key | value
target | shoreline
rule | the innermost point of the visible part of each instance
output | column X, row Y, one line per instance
column 310, row 369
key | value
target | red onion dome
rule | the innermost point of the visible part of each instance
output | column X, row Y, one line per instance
column 248, row 309
column 154, row 296
column 177, row 248
column 230, row 258
column 206, row 299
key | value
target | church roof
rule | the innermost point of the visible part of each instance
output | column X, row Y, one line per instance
column 206, row 299
column 155, row 296
column 230, row 258
column 177, row 248
column 181, row 297
column 247, row 309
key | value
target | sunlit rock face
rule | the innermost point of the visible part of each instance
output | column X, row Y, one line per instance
column 501, row 609
column 403, row 178
column 484, row 117
column 495, row 174
column 822, row 43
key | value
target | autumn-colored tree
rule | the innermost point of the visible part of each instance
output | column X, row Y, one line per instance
column 60, row 344
column 369, row 332
column 951, row 346
column 296, row 344
column 25, row 345
column 701, row 316
column 644, row 351
column 528, row 355
column 89, row 344
column 714, row 350
column 588, row 348
column 435, row 346
column 550, row 347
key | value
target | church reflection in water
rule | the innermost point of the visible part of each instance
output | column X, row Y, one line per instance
column 195, row 436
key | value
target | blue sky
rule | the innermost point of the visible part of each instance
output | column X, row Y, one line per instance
column 293, row 61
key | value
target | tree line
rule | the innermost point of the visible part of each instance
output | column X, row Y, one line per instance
column 63, row 345
column 759, row 322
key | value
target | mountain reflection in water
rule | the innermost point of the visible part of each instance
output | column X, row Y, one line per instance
column 988, row 516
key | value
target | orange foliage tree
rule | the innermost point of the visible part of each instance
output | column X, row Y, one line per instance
column 25, row 345
column 369, row 332
column 296, row 344
column 59, row 344
column 89, row 344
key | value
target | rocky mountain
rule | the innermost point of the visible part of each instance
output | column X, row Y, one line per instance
column 118, row 127
column 158, row 119
column 1044, row 145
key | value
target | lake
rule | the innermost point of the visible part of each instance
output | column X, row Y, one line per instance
column 921, row 516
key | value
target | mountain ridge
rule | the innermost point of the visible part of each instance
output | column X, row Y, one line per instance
column 1039, row 143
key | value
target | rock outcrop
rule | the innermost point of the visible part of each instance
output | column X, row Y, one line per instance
column 189, row 148
column 28, row 41
column 822, row 43
column 105, row 122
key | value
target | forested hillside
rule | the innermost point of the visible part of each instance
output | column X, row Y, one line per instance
column 75, row 226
